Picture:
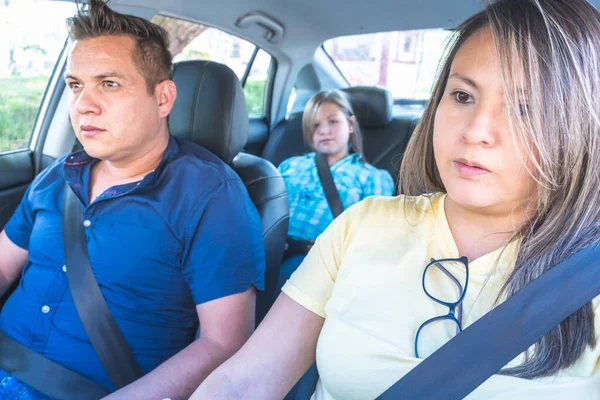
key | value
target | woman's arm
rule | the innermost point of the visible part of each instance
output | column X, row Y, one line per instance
column 272, row 361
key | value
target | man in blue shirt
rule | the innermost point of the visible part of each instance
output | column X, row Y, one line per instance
column 172, row 235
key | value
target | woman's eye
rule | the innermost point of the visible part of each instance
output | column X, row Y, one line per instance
column 333, row 121
column 462, row 97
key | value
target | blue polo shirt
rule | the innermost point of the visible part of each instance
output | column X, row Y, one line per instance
column 185, row 234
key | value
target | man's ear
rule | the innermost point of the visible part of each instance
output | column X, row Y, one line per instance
column 166, row 93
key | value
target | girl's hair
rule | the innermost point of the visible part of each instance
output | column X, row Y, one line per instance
column 550, row 55
column 311, row 110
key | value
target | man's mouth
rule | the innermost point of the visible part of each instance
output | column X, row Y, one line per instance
column 90, row 130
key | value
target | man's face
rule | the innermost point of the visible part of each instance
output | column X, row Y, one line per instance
column 113, row 115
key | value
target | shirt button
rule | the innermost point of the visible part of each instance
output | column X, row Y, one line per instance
column 45, row 309
column 87, row 223
column 64, row 268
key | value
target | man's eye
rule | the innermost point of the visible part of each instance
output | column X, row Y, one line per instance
column 462, row 97
column 110, row 84
column 73, row 85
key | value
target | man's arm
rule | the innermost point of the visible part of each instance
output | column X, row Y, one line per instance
column 225, row 325
column 12, row 260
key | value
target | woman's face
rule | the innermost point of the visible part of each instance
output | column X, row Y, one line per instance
column 331, row 132
column 477, row 158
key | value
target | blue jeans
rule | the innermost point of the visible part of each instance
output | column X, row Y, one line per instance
column 13, row 389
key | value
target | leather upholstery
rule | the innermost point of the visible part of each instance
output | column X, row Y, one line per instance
column 384, row 137
column 372, row 106
column 210, row 108
column 211, row 111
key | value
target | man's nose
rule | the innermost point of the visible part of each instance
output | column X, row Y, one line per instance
column 87, row 102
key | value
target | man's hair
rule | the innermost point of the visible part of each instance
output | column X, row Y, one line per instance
column 151, row 54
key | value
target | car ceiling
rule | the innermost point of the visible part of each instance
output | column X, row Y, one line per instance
column 308, row 23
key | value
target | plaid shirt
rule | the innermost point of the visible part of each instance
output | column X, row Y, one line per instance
column 309, row 212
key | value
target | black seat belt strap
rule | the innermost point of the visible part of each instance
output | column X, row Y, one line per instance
column 45, row 375
column 486, row 346
column 331, row 193
column 104, row 333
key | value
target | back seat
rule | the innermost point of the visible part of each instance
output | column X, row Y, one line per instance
column 385, row 136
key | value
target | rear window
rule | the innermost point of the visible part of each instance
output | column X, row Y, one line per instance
column 404, row 62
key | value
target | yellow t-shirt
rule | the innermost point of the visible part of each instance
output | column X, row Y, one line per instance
column 364, row 276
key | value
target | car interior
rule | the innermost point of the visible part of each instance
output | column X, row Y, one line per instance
column 255, row 143
column 213, row 101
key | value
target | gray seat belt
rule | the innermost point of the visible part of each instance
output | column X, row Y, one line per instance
column 104, row 333
column 491, row 342
column 331, row 193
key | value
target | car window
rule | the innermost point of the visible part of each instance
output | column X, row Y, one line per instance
column 404, row 62
column 191, row 41
column 33, row 35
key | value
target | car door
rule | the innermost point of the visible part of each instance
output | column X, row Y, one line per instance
column 32, row 54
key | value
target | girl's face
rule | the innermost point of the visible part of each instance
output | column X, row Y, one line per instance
column 475, row 153
column 331, row 132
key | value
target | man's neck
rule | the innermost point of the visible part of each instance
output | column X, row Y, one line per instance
column 142, row 164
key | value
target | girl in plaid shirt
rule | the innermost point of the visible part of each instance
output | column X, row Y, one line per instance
column 329, row 126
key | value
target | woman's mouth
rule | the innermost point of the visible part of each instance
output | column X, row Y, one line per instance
column 469, row 169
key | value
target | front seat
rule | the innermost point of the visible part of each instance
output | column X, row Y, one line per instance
column 210, row 110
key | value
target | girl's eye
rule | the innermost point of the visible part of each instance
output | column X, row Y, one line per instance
column 462, row 97
column 333, row 121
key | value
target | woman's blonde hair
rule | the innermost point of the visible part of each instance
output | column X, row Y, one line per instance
column 311, row 111
column 550, row 55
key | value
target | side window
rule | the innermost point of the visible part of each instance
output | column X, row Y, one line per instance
column 256, row 83
column 191, row 41
column 33, row 35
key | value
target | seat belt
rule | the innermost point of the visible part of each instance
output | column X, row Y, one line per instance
column 491, row 342
column 331, row 193
column 45, row 375
column 104, row 333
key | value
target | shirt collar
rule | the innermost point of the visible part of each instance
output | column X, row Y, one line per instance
column 76, row 163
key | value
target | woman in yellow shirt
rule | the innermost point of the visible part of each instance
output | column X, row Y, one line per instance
column 502, row 171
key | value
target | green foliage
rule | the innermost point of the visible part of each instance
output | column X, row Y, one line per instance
column 19, row 102
column 20, row 99
column 255, row 93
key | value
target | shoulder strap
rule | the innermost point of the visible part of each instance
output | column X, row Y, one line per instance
column 100, row 326
column 482, row 349
column 331, row 193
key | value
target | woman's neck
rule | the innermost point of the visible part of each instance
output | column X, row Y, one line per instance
column 478, row 232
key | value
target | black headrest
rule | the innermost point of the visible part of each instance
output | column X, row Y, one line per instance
column 372, row 105
column 210, row 108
